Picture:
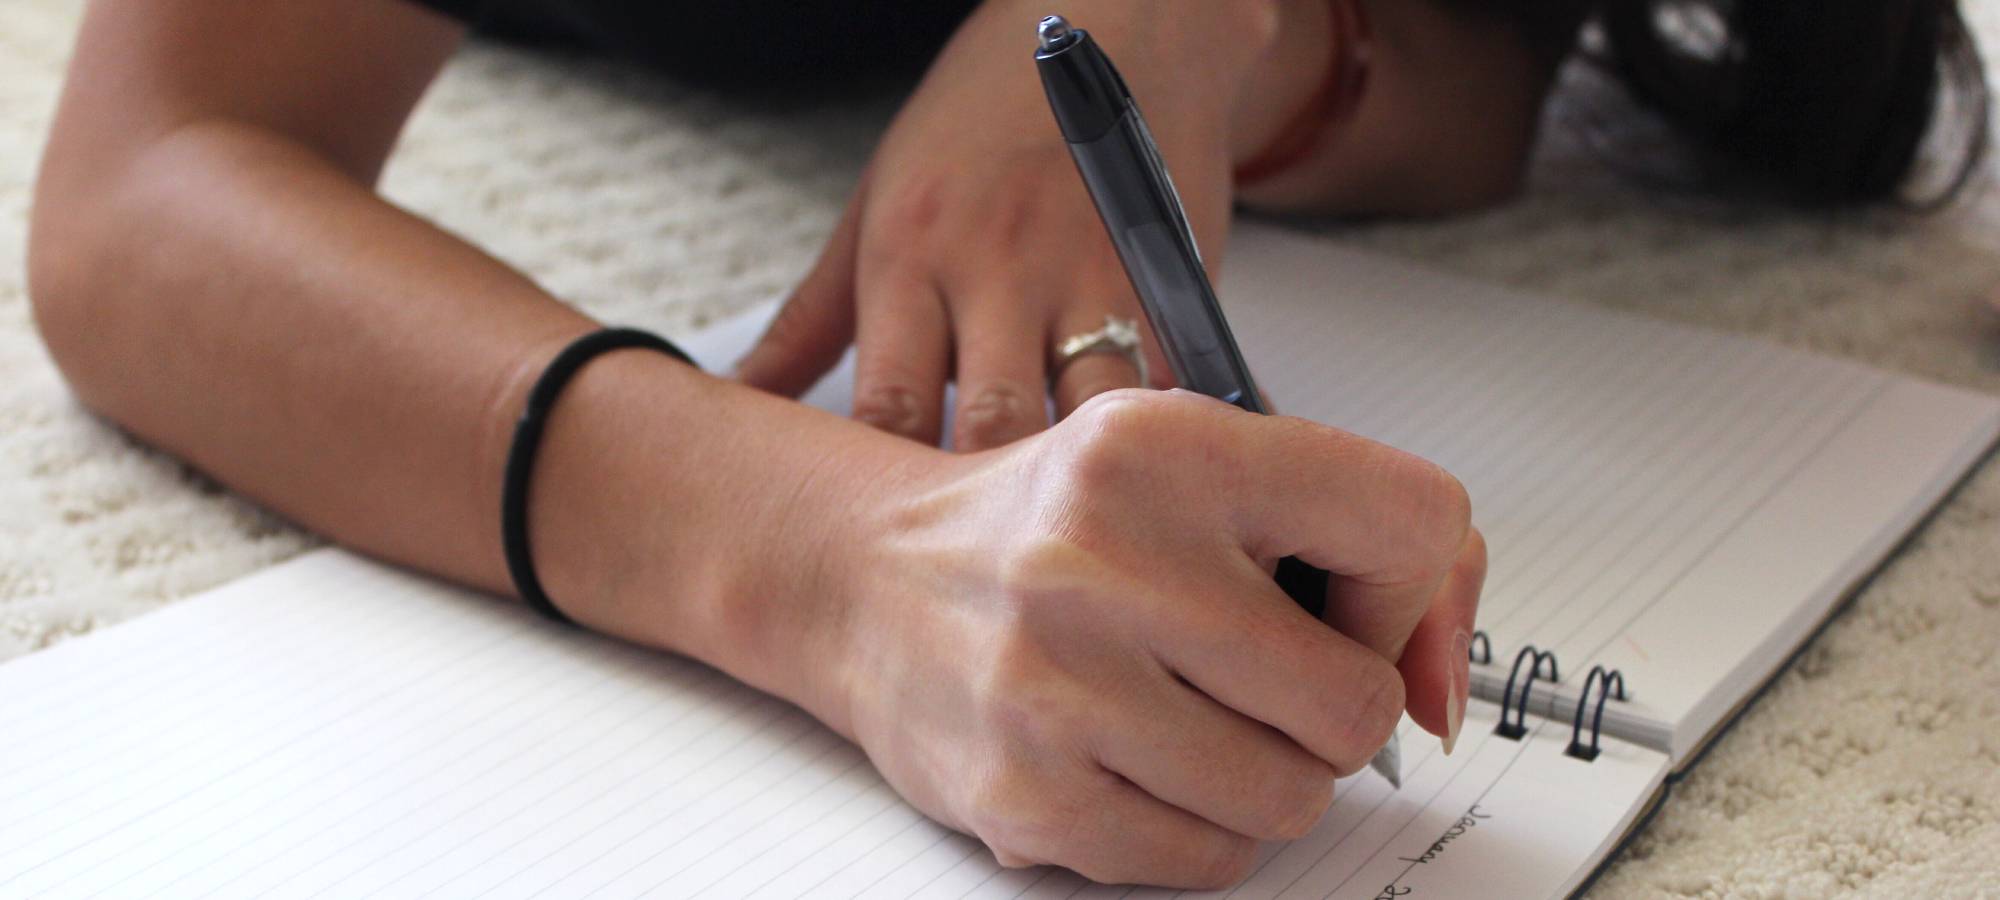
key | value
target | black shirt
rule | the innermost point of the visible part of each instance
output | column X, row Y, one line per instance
column 725, row 43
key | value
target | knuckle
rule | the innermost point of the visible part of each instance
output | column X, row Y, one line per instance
column 1226, row 861
column 1453, row 504
column 1363, row 715
column 1445, row 510
column 1019, row 212
column 1293, row 800
column 996, row 809
column 1117, row 432
column 1119, row 411
column 1106, row 454
column 914, row 209
column 1018, row 208
column 1021, row 819
column 1436, row 515
column 994, row 415
column 1471, row 565
column 1364, row 725
column 889, row 406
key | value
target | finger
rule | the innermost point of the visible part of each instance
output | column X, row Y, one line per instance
column 1245, row 644
column 1115, row 833
column 1382, row 613
column 1083, row 377
column 1436, row 665
column 1386, row 524
column 1002, row 386
column 1234, row 771
column 1086, row 376
column 816, row 324
column 902, row 355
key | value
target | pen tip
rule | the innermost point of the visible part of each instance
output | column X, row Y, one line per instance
column 1052, row 31
column 1389, row 763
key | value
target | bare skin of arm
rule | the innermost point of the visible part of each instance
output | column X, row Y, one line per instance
column 213, row 271
column 1012, row 635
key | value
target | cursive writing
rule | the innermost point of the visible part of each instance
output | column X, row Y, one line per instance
column 1457, row 830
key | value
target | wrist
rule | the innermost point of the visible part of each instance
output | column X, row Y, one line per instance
column 1285, row 78
column 1195, row 61
column 1236, row 71
column 819, row 493
column 696, row 516
column 596, row 499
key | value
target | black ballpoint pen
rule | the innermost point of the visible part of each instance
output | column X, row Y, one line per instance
column 1135, row 197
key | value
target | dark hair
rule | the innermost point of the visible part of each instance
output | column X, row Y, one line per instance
column 1827, row 102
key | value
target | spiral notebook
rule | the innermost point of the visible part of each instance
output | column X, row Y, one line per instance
column 1672, row 513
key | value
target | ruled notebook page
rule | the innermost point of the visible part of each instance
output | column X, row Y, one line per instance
column 1678, row 504
column 332, row 727
column 1497, row 818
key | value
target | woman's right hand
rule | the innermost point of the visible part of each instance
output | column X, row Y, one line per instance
column 1072, row 647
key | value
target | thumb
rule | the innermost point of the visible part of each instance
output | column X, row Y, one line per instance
column 816, row 324
column 802, row 343
column 1435, row 665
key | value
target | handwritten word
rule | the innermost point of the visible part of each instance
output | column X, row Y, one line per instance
column 1458, row 829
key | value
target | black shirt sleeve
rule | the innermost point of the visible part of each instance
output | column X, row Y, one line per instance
column 743, row 43
column 467, row 11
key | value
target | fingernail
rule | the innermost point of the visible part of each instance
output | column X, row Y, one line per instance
column 1459, row 684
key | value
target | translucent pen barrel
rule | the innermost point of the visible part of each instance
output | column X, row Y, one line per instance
column 1159, row 254
column 1122, row 168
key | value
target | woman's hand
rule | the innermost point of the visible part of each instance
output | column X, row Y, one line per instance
column 971, row 249
column 1073, row 648
column 1070, row 647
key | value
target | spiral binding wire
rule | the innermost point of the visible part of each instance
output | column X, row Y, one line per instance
column 1515, row 729
column 1480, row 642
column 1608, row 681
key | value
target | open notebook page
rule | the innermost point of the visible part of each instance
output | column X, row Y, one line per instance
column 1678, row 504
column 333, row 727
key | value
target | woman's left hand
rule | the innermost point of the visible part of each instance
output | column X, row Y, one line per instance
column 971, row 250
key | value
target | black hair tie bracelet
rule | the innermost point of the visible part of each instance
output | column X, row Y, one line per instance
column 528, row 441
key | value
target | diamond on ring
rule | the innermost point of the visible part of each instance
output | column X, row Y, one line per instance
column 1119, row 336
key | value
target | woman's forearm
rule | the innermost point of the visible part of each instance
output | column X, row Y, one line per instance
column 232, row 298
column 330, row 356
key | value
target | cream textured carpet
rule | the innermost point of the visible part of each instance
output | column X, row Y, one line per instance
column 1871, row 769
